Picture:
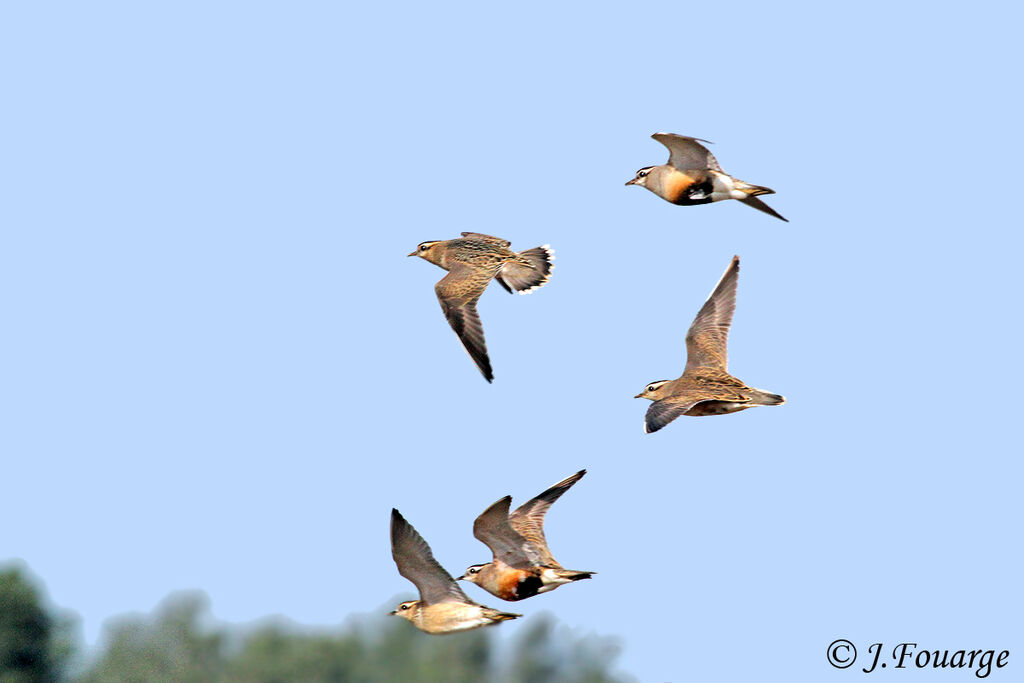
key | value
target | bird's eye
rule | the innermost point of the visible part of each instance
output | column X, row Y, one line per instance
column 405, row 607
column 650, row 388
column 423, row 247
column 641, row 174
column 473, row 571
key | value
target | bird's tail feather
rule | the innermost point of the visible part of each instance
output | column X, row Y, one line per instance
column 496, row 615
column 530, row 271
column 752, row 190
column 764, row 398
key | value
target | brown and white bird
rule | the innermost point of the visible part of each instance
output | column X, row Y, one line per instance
column 472, row 261
column 705, row 388
column 693, row 176
column 523, row 565
column 442, row 607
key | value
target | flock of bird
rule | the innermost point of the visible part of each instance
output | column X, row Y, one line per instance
column 522, row 565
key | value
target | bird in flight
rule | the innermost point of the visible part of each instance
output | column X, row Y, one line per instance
column 693, row 176
column 442, row 607
column 472, row 261
column 705, row 387
column 523, row 565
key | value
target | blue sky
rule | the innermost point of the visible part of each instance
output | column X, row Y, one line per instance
column 220, row 371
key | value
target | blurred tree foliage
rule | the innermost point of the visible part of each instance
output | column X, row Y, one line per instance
column 34, row 642
column 180, row 642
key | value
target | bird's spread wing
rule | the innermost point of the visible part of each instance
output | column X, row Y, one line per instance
column 528, row 519
column 686, row 153
column 493, row 529
column 667, row 409
column 708, row 336
column 488, row 238
column 458, row 292
column 416, row 563
column 761, row 206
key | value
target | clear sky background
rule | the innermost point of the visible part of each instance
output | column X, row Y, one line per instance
column 220, row 371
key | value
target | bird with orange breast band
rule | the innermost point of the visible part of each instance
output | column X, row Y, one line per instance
column 693, row 176
column 523, row 565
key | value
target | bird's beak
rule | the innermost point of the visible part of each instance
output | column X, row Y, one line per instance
column 392, row 613
column 631, row 182
column 461, row 578
column 639, row 396
column 413, row 253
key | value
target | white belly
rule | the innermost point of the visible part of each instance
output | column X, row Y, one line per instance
column 723, row 187
column 550, row 581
